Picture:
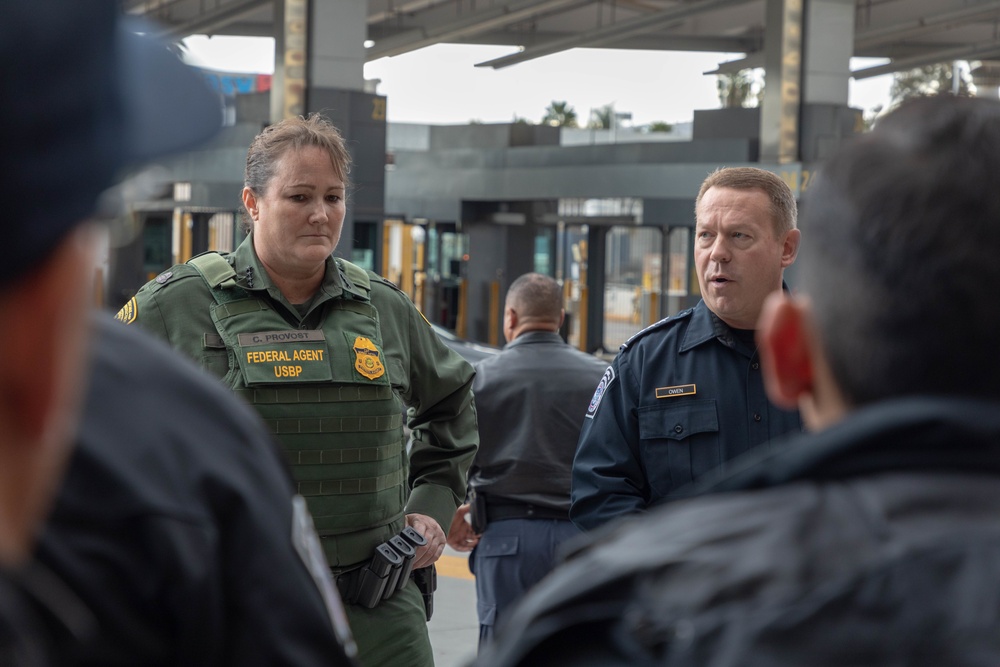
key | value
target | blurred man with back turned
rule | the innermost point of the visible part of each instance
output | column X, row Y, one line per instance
column 875, row 540
column 531, row 400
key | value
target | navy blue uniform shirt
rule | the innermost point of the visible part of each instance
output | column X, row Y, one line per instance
column 682, row 397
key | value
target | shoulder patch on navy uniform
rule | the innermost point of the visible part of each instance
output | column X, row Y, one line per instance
column 657, row 325
column 602, row 386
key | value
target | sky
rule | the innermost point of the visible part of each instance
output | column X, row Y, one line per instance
column 440, row 84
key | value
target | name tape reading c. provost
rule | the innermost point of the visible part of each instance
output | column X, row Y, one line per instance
column 272, row 337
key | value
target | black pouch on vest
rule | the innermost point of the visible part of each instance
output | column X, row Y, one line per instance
column 399, row 575
column 376, row 575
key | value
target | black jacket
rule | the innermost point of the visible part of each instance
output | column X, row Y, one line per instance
column 41, row 620
column 876, row 542
column 175, row 523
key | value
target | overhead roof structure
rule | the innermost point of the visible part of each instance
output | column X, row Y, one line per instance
column 910, row 33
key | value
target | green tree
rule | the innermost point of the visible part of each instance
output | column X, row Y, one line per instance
column 659, row 126
column 602, row 118
column 741, row 89
column 868, row 118
column 560, row 114
column 930, row 80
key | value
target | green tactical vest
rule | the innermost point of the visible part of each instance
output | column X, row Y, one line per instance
column 326, row 395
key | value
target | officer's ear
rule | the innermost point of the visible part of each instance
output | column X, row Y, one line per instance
column 796, row 371
column 790, row 247
column 510, row 322
column 250, row 202
column 785, row 350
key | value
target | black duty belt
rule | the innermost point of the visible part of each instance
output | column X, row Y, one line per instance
column 500, row 510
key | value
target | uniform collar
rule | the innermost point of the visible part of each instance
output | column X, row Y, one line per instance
column 530, row 337
column 704, row 326
column 250, row 273
column 253, row 277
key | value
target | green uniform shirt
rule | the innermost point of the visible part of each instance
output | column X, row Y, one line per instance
column 433, row 382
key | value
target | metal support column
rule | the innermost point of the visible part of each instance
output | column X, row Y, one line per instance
column 596, row 264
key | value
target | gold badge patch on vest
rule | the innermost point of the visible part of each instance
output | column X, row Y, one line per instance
column 366, row 359
column 128, row 312
column 679, row 390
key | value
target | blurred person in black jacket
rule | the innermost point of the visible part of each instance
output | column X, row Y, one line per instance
column 187, row 546
column 874, row 541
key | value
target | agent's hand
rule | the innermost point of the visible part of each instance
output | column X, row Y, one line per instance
column 461, row 537
column 432, row 532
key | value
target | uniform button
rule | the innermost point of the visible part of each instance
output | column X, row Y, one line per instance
column 756, row 417
column 678, row 428
column 755, row 365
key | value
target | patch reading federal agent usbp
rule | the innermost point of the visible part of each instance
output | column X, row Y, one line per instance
column 679, row 390
column 602, row 387
column 296, row 355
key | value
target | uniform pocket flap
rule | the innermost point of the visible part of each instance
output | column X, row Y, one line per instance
column 677, row 422
column 505, row 546
column 487, row 613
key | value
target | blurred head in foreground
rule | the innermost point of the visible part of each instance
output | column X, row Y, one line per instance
column 85, row 98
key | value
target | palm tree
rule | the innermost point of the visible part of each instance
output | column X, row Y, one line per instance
column 742, row 89
column 930, row 80
column 560, row 114
column 602, row 118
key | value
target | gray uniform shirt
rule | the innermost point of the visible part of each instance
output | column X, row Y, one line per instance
column 531, row 399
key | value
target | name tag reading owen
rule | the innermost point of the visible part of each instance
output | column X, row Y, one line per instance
column 285, row 356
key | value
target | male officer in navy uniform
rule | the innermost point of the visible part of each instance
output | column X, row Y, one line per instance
column 685, row 395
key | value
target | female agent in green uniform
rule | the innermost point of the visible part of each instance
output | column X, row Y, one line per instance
column 329, row 354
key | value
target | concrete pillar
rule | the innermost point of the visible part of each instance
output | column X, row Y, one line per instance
column 291, row 47
column 807, row 56
column 318, row 44
column 779, row 118
column 827, row 50
column 337, row 33
column 986, row 77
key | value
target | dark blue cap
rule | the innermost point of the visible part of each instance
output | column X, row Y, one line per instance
column 83, row 96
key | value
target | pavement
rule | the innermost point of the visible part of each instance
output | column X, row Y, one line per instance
column 454, row 626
